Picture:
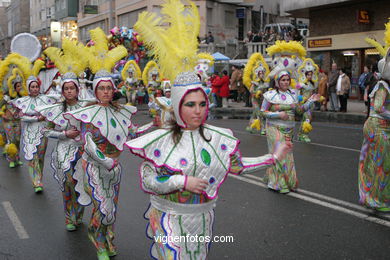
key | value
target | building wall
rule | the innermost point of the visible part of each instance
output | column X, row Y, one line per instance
column 39, row 10
column 219, row 18
column 343, row 19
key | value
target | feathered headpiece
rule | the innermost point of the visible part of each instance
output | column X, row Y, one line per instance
column 308, row 65
column 286, row 56
column 172, row 40
column 382, row 49
column 70, row 61
column 101, row 60
column 151, row 69
column 131, row 66
column 23, row 66
column 205, row 60
column 256, row 63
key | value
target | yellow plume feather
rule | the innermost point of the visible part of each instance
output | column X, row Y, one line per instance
column 174, row 45
column 381, row 49
column 99, row 56
column 2, row 143
column 38, row 65
column 206, row 56
column 70, row 59
column 11, row 150
column 14, row 60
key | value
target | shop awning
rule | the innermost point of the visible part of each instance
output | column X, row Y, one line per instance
column 220, row 57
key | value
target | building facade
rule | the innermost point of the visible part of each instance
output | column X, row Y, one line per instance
column 338, row 29
column 42, row 13
column 227, row 20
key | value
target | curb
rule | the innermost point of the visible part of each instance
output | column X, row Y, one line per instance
column 245, row 113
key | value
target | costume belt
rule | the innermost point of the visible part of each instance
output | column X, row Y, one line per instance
column 180, row 208
column 284, row 123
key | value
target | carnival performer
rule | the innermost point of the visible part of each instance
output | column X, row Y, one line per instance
column 104, row 126
column 279, row 108
column 13, row 74
column 185, row 164
column 34, row 142
column 256, row 80
column 308, row 79
column 151, row 78
column 84, row 93
column 205, row 60
column 131, row 74
column 67, row 151
column 374, row 160
column 164, row 104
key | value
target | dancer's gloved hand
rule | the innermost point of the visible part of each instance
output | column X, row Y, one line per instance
column 72, row 133
column 6, row 98
column 315, row 97
column 283, row 115
column 282, row 149
column 195, row 185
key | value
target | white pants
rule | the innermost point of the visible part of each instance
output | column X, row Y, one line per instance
column 224, row 102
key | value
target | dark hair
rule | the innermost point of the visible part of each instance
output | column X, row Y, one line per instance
column 343, row 70
column 225, row 72
column 307, row 72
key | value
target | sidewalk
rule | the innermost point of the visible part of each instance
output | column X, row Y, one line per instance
column 355, row 114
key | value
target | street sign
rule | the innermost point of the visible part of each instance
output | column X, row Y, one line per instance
column 240, row 13
column 90, row 9
column 318, row 43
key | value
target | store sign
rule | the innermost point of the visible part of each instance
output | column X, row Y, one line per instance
column 240, row 13
column 90, row 9
column 363, row 17
column 318, row 43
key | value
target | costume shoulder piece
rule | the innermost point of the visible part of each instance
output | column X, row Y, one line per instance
column 286, row 98
column 164, row 102
column 54, row 113
column 28, row 104
column 112, row 124
column 192, row 156
column 380, row 83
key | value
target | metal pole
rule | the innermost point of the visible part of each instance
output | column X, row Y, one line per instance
column 261, row 17
column 47, row 34
column 110, row 15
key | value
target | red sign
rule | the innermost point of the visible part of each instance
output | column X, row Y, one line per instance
column 363, row 17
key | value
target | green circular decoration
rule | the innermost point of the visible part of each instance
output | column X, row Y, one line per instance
column 100, row 154
column 113, row 123
column 206, row 157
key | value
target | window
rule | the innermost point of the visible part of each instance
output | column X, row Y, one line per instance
column 210, row 16
column 129, row 19
column 230, row 19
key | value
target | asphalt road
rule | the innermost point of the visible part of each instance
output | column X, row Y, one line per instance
column 321, row 221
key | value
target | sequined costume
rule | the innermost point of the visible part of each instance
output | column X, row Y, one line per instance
column 34, row 143
column 307, row 89
column 256, row 79
column 175, row 212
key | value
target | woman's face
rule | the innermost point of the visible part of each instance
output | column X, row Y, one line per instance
column 193, row 109
column 105, row 92
column 34, row 89
column 260, row 74
column 284, row 82
column 18, row 87
column 309, row 75
column 70, row 91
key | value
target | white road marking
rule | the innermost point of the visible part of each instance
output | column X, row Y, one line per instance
column 330, row 205
column 15, row 220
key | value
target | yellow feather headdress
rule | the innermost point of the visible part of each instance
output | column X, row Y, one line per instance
column 71, row 58
column 133, row 66
column 283, row 47
column 171, row 38
column 308, row 65
column 99, row 57
column 150, row 69
column 206, row 56
column 381, row 49
column 256, row 62
column 24, row 70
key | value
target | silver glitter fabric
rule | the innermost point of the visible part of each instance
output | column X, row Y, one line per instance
column 186, row 78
